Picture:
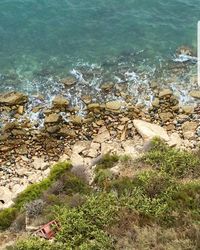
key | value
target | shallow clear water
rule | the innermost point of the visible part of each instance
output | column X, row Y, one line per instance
column 53, row 36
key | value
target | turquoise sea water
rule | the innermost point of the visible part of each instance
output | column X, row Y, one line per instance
column 54, row 36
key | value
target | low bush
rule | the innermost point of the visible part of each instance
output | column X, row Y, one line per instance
column 19, row 224
column 108, row 161
column 58, row 170
column 34, row 208
column 103, row 178
column 7, row 216
column 176, row 163
column 154, row 183
column 73, row 184
column 34, row 243
column 84, row 226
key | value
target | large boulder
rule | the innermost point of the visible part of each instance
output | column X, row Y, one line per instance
column 129, row 148
column 175, row 140
column 80, row 146
column 148, row 130
column 13, row 98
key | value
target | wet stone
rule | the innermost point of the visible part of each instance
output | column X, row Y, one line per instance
column 52, row 118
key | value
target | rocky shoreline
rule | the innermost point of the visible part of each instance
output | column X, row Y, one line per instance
column 27, row 150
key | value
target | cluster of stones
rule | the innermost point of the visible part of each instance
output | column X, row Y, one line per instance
column 182, row 120
column 118, row 126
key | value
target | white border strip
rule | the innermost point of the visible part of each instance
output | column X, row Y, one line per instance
column 198, row 52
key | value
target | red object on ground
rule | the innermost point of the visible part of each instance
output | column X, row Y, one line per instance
column 49, row 230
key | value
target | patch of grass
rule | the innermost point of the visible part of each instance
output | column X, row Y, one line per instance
column 186, row 202
column 154, row 237
column 125, row 159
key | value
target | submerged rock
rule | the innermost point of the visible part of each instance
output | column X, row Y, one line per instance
column 156, row 103
column 68, row 81
column 107, row 86
column 60, row 101
column 165, row 92
column 93, row 105
column 86, row 99
column 13, row 98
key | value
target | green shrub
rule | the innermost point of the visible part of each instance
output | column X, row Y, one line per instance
column 97, row 220
column 123, row 186
column 34, row 243
column 108, row 161
column 7, row 216
column 58, row 170
column 102, row 178
column 154, row 183
column 34, row 191
column 31, row 193
column 186, row 200
column 73, row 184
column 85, row 225
column 172, row 161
